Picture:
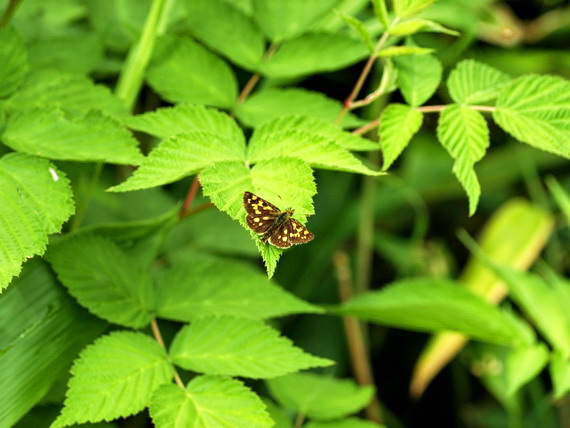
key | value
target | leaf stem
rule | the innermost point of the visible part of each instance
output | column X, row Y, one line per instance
column 189, row 197
column 354, row 335
column 299, row 420
column 254, row 79
column 363, row 75
column 158, row 337
column 132, row 74
column 9, row 12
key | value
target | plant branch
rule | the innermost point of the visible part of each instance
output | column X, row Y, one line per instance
column 355, row 337
column 158, row 337
column 254, row 79
column 365, row 128
column 299, row 419
column 189, row 198
column 363, row 75
column 9, row 12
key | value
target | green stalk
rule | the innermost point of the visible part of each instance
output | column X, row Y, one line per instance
column 132, row 74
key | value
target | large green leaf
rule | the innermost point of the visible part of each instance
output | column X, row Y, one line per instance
column 36, row 201
column 166, row 122
column 282, row 137
column 234, row 34
column 113, row 378
column 44, row 331
column 74, row 94
column 560, row 374
column 104, row 279
column 49, row 133
column 182, row 155
column 208, row 402
column 14, row 60
column 239, row 347
column 186, row 72
column 283, row 20
column 425, row 304
column 536, row 110
column 418, row 77
column 464, row 134
column 273, row 102
column 398, row 124
column 344, row 423
column 320, row 397
column 314, row 53
column 472, row 82
column 523, row 364
column 215, row 286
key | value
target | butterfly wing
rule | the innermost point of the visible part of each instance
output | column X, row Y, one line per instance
column 298, row 233
column 254, row 205
column 281, row 237
column 257, row 224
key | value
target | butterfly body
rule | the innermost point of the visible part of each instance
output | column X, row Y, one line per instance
column 276, row 227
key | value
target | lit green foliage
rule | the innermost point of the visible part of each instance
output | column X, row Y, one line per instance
column 238, row 347
column 398, row 124
column 13, row 58
column 418, row 77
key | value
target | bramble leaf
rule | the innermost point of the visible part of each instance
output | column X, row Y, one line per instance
column 208, row 401
column 416, row 25
column 405, row 8
column 418, row 77
column 183, row 71
column 238, row 347
column 47, row 132
column 320, row 397
column 398, row 124
column 344, row 423
column 536, row 110
column 218, row 286
column 36, row 200
column 245, row 46
column 14, row 60
column 472, row 82
column 113, row 378
column 104, row 279
column 560, row 374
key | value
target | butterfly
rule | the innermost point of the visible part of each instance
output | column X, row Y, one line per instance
column 276, row 227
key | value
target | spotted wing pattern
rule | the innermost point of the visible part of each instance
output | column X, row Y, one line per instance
column 260, row 214
column 299, row 234
column 281, row 237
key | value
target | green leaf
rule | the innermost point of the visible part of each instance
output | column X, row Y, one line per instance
column 104, row 279
column 185, row 154
column 403, row 50
column 74, row 94
column 47, row 132
column 113, row 378
column 209, row 402
column 274, row 102
column 425, row 304
column 238, row 347
column 14, row 60
column 381, row 12
column 281, row 137
column 166, row 122
column 418, row 77
column 245, row 46
column 523, row 364
column 405, row 8
column 46, row 332
column 284, row 20
column 560, row 374
column 314, row 53
column 36, row 201
column 344, row 423
column 561, row 197
column 360, row 29
column 185, row 72
column 536, row 110
column 279, row 415
column 416, row 25
column 218, row 286
column 398, row 124
column 472, row 82
column 320, row 397
column 464, row 134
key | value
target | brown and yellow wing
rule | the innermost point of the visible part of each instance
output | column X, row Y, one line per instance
column 259, row 224
column 254, row 205
column 299, row 234
column 281, row 237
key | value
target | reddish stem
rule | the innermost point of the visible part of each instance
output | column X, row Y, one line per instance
column 189, row 197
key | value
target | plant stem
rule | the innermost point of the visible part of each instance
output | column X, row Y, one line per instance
column 160, row 340
column 299, row 420
column 365, row 128
column 132, row 74
column 363, row 75
column 254, row 79
column 354, row 335
column 9, row 12
column 189, row 197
